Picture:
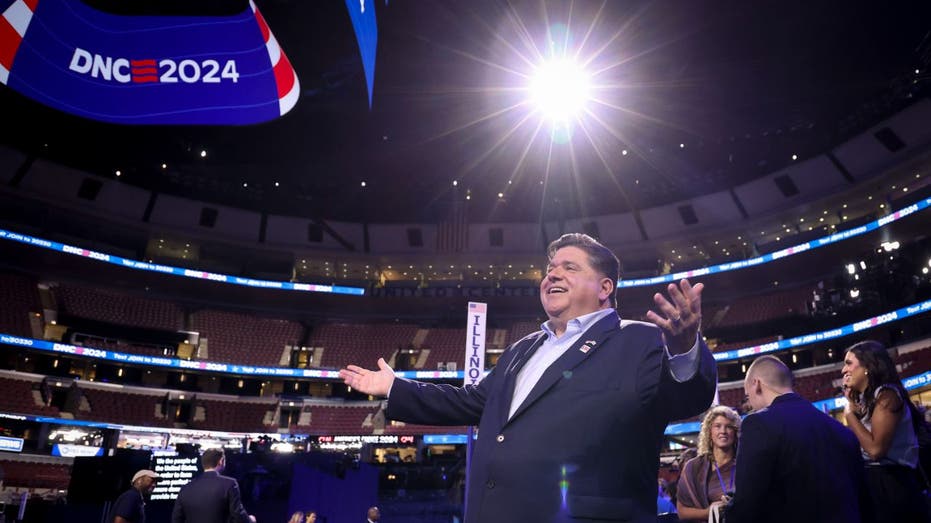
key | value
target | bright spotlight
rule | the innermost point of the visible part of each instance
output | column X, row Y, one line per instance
column 560, row 89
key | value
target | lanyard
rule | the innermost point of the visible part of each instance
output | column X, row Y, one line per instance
column 721, row 480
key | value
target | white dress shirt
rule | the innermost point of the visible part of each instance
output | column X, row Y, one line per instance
column 682, row 366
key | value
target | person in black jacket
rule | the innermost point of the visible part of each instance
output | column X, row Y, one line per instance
column 211, row 497
column 794, row 462
column 130, row 506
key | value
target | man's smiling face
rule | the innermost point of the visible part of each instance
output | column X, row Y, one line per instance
column 572, row 287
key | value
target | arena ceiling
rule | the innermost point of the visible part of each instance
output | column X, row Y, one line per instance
column 693, row 97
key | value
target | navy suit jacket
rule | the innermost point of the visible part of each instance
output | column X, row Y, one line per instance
column 584, row 444
column 210, row 498
column 795, row 463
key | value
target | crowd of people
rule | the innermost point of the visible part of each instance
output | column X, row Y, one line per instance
column 556, row 414
column 788, row 461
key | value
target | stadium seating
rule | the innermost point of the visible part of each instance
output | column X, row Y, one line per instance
column 234, row 415
column 20, row 298
column 819, row 385
column 914, row 362
column 519, row 329
column 34, row 474
column 23, row 396
column 120, row 405
column 769, row 306
column 346, row 420
column 245, row 338
column 445, row 345
column 343, row 344
column 119, row 308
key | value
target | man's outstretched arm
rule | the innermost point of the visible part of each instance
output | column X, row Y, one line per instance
column 416, row 402
column 375, row 383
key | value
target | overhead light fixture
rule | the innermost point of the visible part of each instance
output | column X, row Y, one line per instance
column 560, row 89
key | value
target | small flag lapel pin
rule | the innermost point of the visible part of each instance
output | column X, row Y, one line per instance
column 589, row 345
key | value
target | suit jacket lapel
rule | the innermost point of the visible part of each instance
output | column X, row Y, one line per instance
column 587, row 344
column 510, row 379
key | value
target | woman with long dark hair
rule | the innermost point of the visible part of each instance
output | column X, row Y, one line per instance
column 886, row 422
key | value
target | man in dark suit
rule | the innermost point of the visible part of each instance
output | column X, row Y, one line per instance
column 210, row 497
column 794, row 462
column 571, row 419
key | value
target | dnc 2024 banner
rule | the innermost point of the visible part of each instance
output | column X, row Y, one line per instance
column 145, row 69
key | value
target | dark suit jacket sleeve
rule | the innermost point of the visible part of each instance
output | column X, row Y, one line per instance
column 125, row 507
column 680, row 400
column 757, row 457
column 431, row 404
column 236, row 510
column 177, row 513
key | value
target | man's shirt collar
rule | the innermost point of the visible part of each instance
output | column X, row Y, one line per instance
column 578, row 324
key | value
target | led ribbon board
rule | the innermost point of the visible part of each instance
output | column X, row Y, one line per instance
column 815, row 337
column 790, row 251
column 724, row 267
column 122, row 69
column 252, row 370
column 910, row 383
column 177, row 271
column 200, row 365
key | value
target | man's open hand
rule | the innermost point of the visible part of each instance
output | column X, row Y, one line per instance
column 376, row 383
column 680, row 316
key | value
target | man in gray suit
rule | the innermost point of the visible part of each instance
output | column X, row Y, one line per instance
column 211, row 497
